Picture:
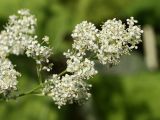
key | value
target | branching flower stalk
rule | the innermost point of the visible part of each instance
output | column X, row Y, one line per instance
column 89, row 44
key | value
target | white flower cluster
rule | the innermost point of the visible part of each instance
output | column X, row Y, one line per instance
column 37, row 51
column 106, row 45
column 18, row 30
column 116, row 40
column 67, row 89
column 109, row 43
column 8, row 76
column 17, row 38
column 70, row 88
column 84, row 36
column 79, row 65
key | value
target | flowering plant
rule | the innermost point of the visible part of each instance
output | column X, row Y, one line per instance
column 89, row 44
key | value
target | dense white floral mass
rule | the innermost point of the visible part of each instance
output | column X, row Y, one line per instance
column 67, row 89
column 70, row 88
column 8, row 76
column 37, row 51
column 79, row 65
column 116, row 40
column 84, row 36
column 17, row 38
column 106, row 45
column 113, row 41
column 13, row 39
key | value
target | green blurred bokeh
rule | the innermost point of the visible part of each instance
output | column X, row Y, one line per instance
column 125, row 92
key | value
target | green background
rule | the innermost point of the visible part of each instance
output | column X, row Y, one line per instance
column 128, row 91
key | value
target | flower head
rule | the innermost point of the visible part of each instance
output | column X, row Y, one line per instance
column 68, row 89
column 116, row 40
column 84, row 36
column 8, row 76
column 106, row 45
column 19, row 37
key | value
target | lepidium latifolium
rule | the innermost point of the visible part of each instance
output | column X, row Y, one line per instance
column 106, row 46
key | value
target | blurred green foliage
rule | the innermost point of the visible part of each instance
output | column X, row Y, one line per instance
column 126, row 92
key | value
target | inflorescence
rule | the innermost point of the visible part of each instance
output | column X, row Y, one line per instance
column 106, row 46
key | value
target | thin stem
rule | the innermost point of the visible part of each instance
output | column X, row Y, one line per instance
column 27, row 93
column 93, row 57
column 39, row 67
column 63, row 72
column 33, row 91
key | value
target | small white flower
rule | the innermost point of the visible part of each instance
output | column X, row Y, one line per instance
column 46, row 39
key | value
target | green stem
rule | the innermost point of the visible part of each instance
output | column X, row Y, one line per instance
column 39, row 67
column 27, row 93
column 93, row 57
column 63, row 72
column 36, row 88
